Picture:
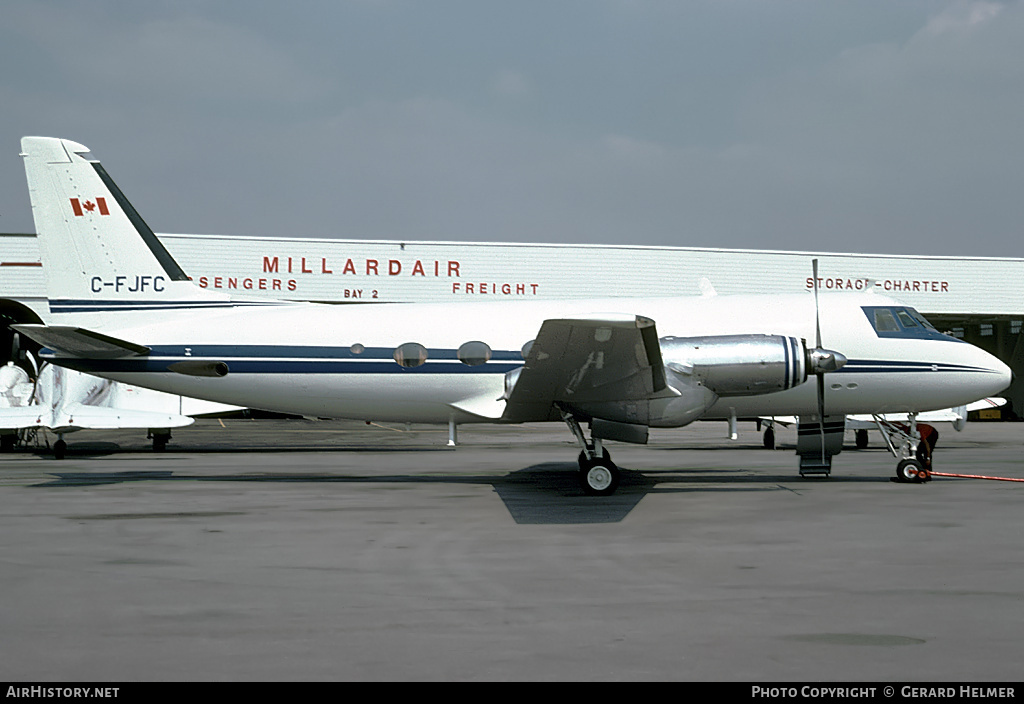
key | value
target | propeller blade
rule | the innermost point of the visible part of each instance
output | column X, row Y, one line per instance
column 817, row 315
column 821, row 413
column 817, row 372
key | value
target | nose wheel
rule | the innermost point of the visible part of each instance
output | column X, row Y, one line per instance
column 911, row 471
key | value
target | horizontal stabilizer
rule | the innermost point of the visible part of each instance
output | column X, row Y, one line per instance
column 81, row 343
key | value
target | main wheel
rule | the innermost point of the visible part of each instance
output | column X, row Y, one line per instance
column 60, row 448
column 599, row 478
column 769, row 439
column 862, row 439
column 911, row 471
column 584, row 462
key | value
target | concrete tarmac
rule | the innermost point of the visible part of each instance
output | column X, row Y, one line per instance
column 298, row 550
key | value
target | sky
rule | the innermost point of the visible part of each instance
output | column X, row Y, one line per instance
column 844, row 126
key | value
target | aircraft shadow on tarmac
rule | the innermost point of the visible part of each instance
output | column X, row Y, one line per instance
column 546, row 493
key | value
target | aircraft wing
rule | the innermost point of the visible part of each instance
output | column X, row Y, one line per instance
column 957, row 416
column 986, row 403
column 946, row 415
column 79, row 342
column 25, row 417
column 590, row 360
column 80, row 415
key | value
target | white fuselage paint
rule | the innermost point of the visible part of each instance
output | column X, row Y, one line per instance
column 271, row 354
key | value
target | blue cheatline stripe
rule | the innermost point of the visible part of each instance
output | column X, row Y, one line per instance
column 87, row 306
column 870, row 366
column 315, row 352
column 309, row 352
column 293, row 359
column 285, row 366
column 297, row 359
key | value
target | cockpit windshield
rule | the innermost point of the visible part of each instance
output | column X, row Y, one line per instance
column 899, row 321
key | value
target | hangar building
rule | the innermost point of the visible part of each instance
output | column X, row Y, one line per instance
column 971, row 297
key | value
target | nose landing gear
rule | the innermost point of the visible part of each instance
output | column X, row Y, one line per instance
column 915, row 443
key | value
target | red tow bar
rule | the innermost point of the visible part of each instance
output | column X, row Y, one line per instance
column 973, row 476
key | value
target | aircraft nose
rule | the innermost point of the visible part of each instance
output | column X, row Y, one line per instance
column 999, row 377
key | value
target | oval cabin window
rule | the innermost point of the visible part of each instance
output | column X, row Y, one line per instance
column 411, row 354
column 474, row 353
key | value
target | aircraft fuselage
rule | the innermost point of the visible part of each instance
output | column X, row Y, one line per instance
column 339, row 361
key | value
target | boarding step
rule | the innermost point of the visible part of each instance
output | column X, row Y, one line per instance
column 814, row 467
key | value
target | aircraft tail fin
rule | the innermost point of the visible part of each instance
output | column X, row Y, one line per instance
column 98, row 253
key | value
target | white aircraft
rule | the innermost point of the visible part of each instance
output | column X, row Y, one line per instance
column 124, row 310
column 63, row 400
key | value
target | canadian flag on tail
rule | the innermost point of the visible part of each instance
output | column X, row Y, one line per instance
column 88, row 206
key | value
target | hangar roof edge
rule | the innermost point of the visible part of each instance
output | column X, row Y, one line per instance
column 575, row 245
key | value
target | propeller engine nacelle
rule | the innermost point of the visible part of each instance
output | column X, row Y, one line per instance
column 700, row 370
column 739, row 365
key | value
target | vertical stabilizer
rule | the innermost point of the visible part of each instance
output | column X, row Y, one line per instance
column 98, row 253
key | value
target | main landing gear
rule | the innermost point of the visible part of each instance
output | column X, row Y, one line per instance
column 160, row 437
column 60, row 448
column 913, row 445
column 598, row 474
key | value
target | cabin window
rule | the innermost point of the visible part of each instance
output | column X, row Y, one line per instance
column 411, row 354
column 357, row 349
column 474, row 353
column 526, row 348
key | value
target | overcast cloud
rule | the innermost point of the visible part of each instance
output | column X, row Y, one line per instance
column 868, row 126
